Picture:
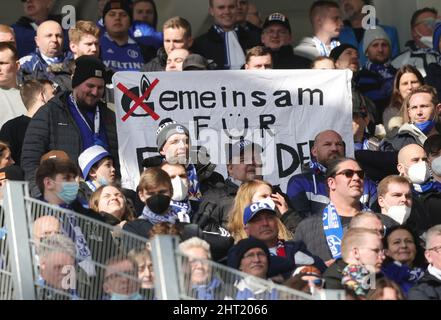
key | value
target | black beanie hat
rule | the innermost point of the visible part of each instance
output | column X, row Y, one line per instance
column 87, row 67
column 237, row 252
column 337, row 51
column 117, row 4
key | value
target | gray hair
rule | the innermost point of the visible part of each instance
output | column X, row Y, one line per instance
column 56, row 243
column 432, row 232
column 195, row 242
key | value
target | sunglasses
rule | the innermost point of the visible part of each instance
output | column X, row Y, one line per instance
column 349, row 173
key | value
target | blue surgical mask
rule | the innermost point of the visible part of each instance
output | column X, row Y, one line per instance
column 425, row 126
column 118, row 296
column 69, row 191
column 102, row 181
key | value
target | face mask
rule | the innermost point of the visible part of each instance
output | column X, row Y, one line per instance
column 399, row 213
column 69, row 191
column 419, row 172
column 425, row 126
column 158, row 203
column 270, row 202
column 427, row 41
column 436, row 166
column 134, row 296
column 102, row 181
column 180, row 189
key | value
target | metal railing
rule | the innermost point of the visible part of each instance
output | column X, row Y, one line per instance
column 47, row 252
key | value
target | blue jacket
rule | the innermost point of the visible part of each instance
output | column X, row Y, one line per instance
column 33, row 66
column 25, row 34
column 347, row 35
column 308, row 194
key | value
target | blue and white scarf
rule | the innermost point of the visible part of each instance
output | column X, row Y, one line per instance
column 92, row 132
column 323, row 49
column 234, row 55
column 182, row 210
column 153, row 218
column 386, row 70
column 194, row 191
column 333, row 228
column 84, row 256
column 317, row 167
column 206, row 291
column 423, row 188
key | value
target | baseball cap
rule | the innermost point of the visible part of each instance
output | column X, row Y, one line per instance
column 254, row 209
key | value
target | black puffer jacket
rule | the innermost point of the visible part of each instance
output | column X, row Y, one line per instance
column 53, row 128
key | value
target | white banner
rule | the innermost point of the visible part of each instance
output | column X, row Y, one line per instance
column 281, row 110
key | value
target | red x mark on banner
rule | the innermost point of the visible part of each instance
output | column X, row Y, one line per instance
column 139, row 100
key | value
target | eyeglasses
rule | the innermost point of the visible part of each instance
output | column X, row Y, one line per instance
column 436, row 249
column 349, row 173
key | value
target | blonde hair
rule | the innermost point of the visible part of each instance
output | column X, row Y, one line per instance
column 241, row 201
column 354, row 238
column 81, row 29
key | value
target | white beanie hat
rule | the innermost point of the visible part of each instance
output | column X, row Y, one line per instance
column 371, row 35
column 89, row 157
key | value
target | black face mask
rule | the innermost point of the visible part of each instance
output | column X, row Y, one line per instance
column 158, row 203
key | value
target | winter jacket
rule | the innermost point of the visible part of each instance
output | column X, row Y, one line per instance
column 427, row 288
column 408, row 133
column 53, row 128
column 33, row 66
column 310, row 232
column 308, row 194
column 158, row 63
column 420, row 58
column 333, row 275
column 347, row 35
column 284, row 58
column 211, row 45
column 220, row 241
column 434, row 77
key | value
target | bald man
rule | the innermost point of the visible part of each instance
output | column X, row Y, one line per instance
column 49, row 42
column 45, row 226
column 35, row 13
column 413, row 164
column 307, row 191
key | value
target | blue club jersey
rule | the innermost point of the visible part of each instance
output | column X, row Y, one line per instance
column 121, row 58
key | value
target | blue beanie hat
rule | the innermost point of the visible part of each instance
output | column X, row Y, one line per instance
column 437, row 37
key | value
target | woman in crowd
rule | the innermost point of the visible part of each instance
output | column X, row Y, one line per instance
column 407, row 78
column 404, row 262
column 5, row 155
column 110, row 202
column 201, row 282
column 146, row 275
column 254, row 191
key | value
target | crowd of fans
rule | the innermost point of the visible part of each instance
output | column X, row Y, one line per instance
column 370, row 225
